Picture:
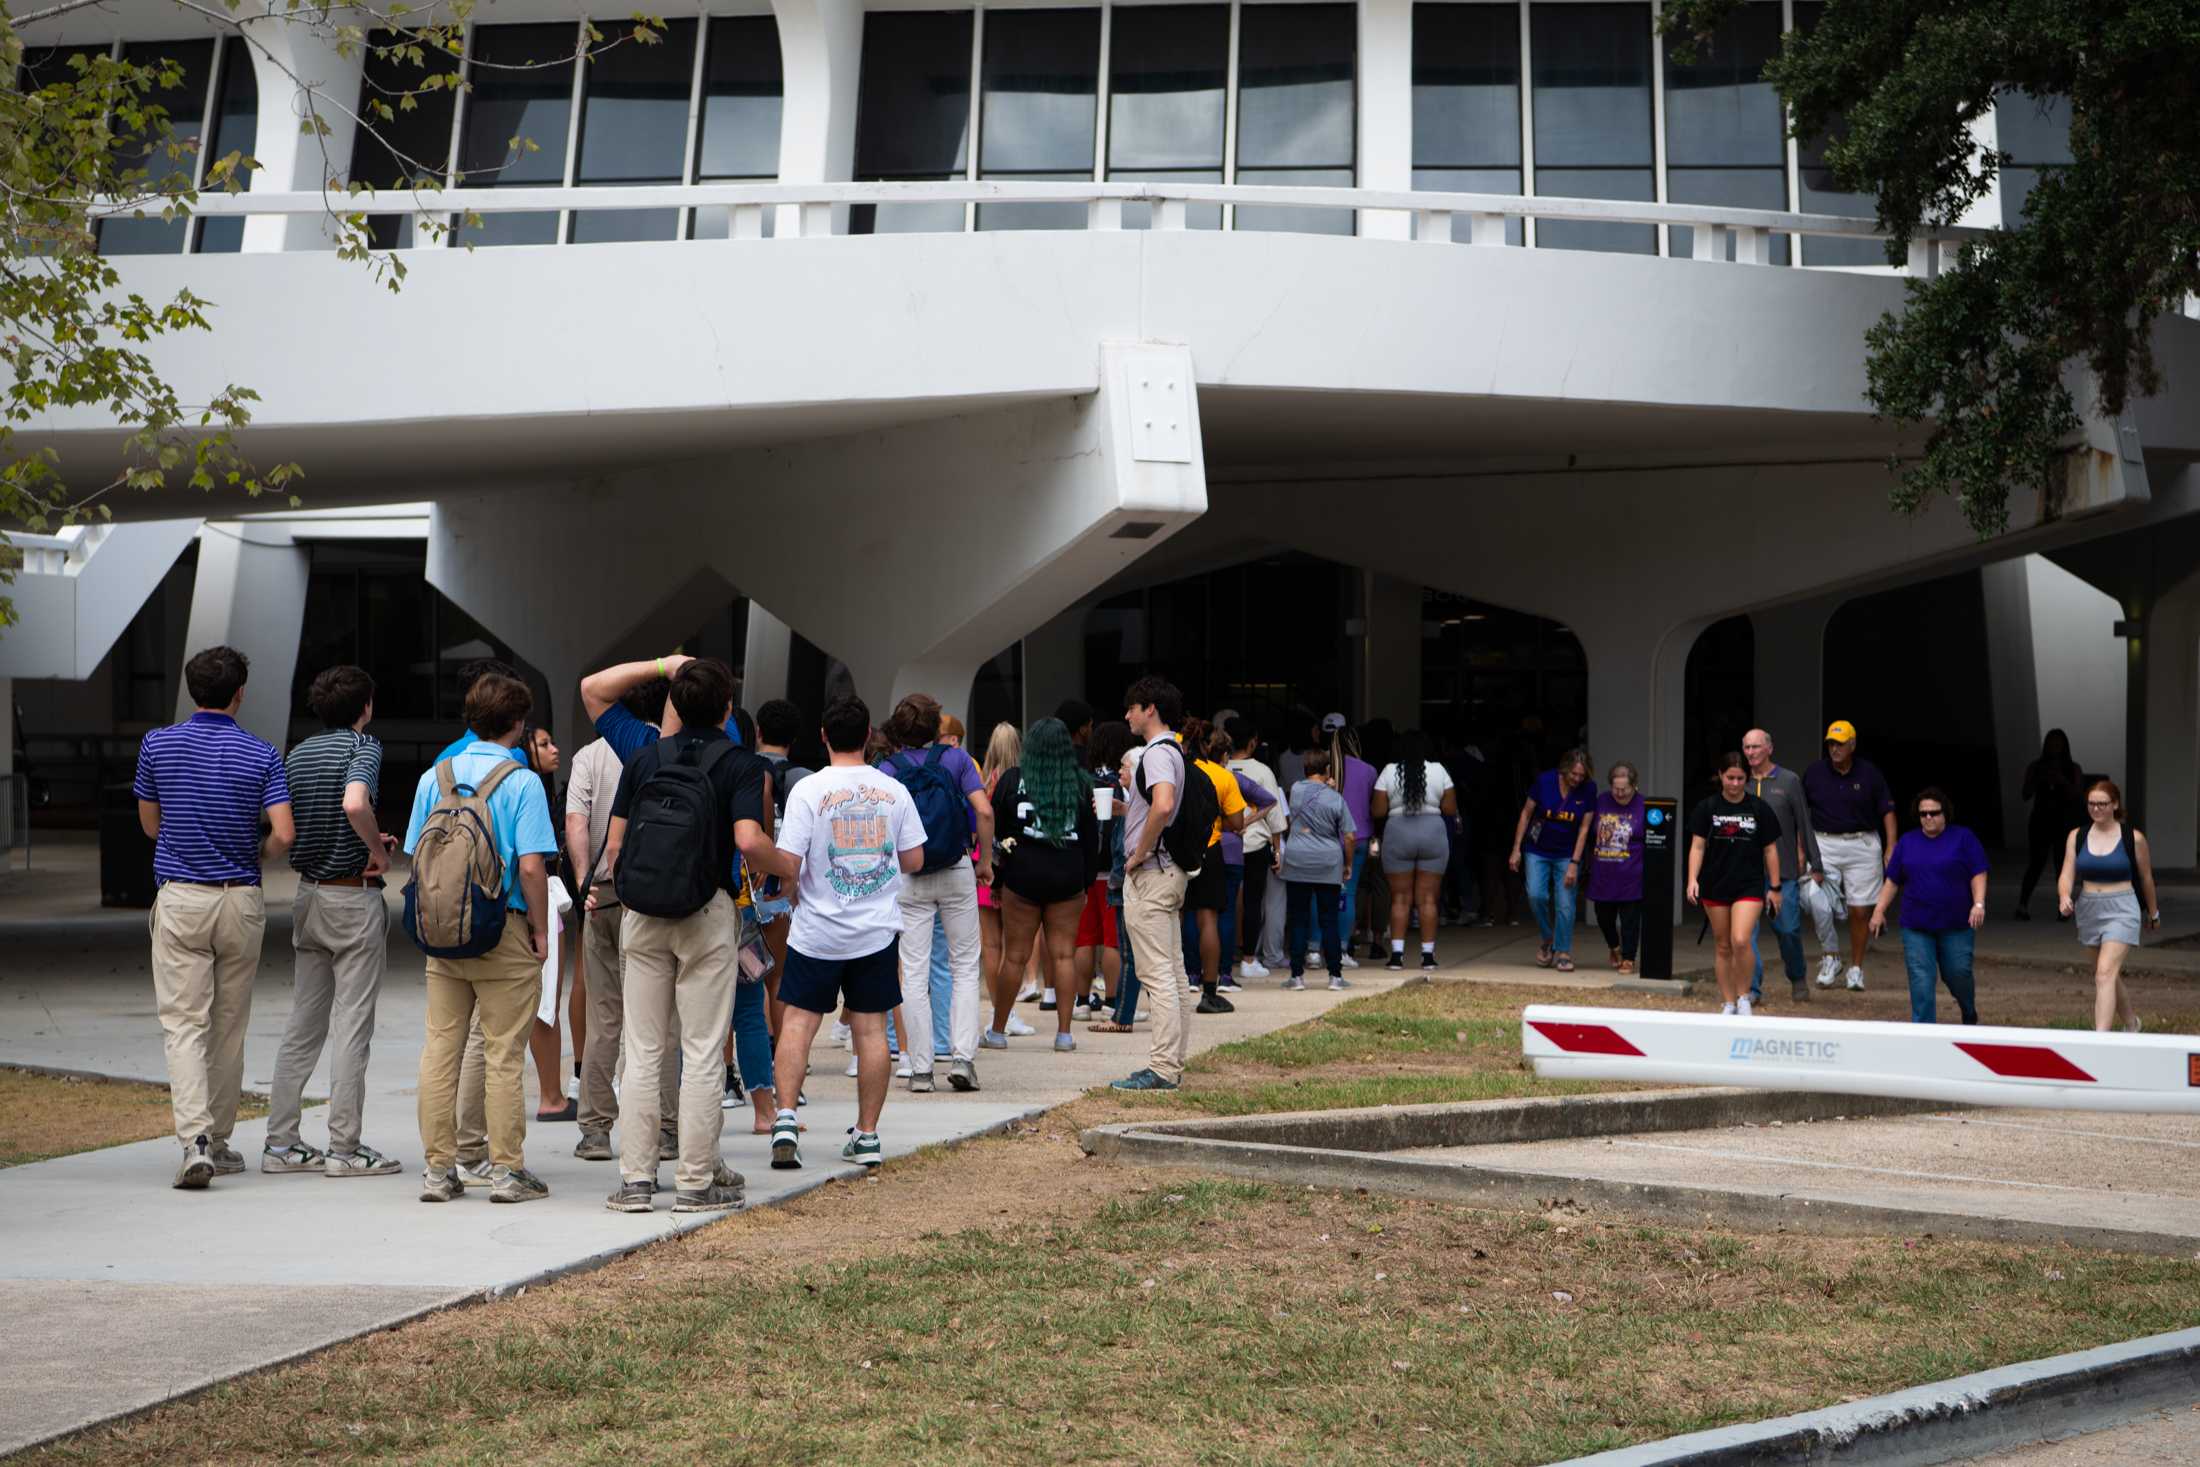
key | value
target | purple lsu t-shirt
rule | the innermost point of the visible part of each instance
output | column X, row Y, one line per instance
column 1558, row 817
column 1935, row 874
column 1615, row 851
column 1359, row 792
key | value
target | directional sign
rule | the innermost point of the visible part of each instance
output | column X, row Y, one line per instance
column 1964, row 1064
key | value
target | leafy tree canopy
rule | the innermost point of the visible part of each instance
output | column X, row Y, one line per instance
column 2106, row 244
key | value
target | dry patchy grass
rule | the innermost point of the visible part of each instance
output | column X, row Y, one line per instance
column 43, row 1116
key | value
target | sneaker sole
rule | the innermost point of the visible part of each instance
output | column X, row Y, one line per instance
column 195, row 1177
column 613, row 1204
column 527, row 1197
column 786, row 1156
column 390, row 1170
column 921, row 1085
column 868, row 1162
column 442, row 1196
column 736, row 1205
column 285, row 1169
column 964, row 1083
column 229, row 1171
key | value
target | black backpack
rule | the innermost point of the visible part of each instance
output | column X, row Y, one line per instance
column 1192, row 825
column 673, row 861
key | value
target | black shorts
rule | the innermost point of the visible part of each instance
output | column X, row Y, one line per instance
column 1040, row 890
column 871, row 984
column 1206, row 891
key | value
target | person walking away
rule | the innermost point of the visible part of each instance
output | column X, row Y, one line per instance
column 1547, row 843
column 1414, row 800
column 1733, row 871
column 202, row 786
column 1207, row 895
column 1316, row 855
column 340, row 930
column 1616, row 865
column 1939, row 871
column 480, row 827
column 2052, row 783
column 950, row 800
column 1004, row 749
column 1155, row 799
column 1853, row 815
column 851, row 837
column 2107, row 873
column 1354, row 778
column 1463, row 900
column 1260, row 841
column 1782, row 789
column 543, row 1042
column 1259, row 800
column 1047, row 860
column 684, row 808
column 1113, row 741
column 778, row 725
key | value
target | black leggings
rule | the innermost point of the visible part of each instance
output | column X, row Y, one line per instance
column 1622, row 924
column 1254, row 896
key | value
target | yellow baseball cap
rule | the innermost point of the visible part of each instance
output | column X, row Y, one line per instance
column 1840, row 731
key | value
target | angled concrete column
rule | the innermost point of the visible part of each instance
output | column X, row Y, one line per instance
column 250, row 593
column 1392, row 643
column 765, row 662
column 1385, row 128
column 300, row 71
column 1638, row 697
column 821, row 58
column 8, row 795
column 1791, row 675
column 2170, row 663
column 2054, row 662
column 2012, row 674
column 1054, row 666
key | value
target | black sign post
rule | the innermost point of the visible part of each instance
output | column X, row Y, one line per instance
column 1661, row 878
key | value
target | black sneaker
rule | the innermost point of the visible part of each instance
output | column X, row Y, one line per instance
column 198, row 1166
column 1428, row 961
column 1397, row 963
column 1214, row 1003
column 735, row 1097
column 632, row 1197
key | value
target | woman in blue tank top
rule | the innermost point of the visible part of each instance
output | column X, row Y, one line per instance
column 2107, row 871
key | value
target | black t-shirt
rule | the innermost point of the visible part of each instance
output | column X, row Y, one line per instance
column 738, row 780
column 1034, row 864
column 1734, row 834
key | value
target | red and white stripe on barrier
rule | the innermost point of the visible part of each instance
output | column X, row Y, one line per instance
column 2046, row 1068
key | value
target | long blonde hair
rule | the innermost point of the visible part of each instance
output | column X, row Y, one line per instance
column 1004, row 749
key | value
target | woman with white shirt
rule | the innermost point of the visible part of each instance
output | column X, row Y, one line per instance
column 1412, row 804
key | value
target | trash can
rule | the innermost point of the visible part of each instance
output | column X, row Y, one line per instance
column 125, row 852
column 1661, row 869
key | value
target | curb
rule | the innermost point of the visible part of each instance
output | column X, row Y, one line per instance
column 1971, row 1415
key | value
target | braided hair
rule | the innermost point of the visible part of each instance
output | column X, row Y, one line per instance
column 1411, row 761
column 1052, row 781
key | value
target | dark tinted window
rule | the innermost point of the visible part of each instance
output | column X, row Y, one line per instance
column 742, row 90
column 913, row 113
column 236, row 126
column 1818, row 191
column 2035, row 133
column 522, row 93
column 388, row 154
column 1593, row 118
column 634, row 108
column 166, row 171
column 1725, row 132
column 1295, row 108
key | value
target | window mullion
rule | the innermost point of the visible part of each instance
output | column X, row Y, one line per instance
column 691, row 160
column 1100, row 94
column 573, row 123
column 977, row 109
column 1657, row 120
column 1527, row 123
column 1230, row 115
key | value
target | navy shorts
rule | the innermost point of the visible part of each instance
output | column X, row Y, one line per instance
column 871, row 984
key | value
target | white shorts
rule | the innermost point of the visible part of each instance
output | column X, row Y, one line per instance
column 1856, row 864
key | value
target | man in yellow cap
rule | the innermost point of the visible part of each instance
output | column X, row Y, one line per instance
column 1852, row 812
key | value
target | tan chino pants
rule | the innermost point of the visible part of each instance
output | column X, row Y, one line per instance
column 679, row 1001
column 1153, row 913
column 206, row 952
column 503, row 984
column 607, row 1022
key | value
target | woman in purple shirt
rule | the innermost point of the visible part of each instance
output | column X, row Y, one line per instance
column 1943, row 867
column 1615, row 866
column 1553, row 827
column 1355, row 780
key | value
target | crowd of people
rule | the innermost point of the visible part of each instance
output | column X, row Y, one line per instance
column 728, row 901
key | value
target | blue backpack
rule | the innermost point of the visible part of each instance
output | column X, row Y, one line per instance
column 940, row 803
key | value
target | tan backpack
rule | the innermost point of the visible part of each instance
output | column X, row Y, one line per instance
column 454, row 904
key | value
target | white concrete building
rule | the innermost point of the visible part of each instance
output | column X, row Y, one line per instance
column 967, row 347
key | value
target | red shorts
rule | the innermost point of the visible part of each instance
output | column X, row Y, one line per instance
column 1737, row 902
column 1096, row 924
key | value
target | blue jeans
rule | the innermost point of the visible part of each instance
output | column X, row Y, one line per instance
column 941, row 982
column 1950, row 952
column 1126, row 986
column 1350, row 909
column 752, row 1038
column 1787, row 926
column 1307, row 904
column 1551, row 899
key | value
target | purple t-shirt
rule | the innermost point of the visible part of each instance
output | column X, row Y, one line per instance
column 1615, row 849
column 1358, row 790
column 1558, row 817
column 1848, row 804
column 1935, row 874
column 1233, row 844
column 960, row 767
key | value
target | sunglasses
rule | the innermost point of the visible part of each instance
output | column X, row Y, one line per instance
column 1932, row 814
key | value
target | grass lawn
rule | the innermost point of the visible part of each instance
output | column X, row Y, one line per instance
column 43, row 1116
column 1012, row 1300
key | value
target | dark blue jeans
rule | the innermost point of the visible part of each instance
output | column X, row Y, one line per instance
column 1950, row 952
column 752, row 1040
column 1306, row 903
column 1126, row 987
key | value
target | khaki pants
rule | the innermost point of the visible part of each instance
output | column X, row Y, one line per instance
column 206, row 952
column 502, row 984
column 1153, row 918
column 679, row 997
column 342, row 937
column 606, row 1022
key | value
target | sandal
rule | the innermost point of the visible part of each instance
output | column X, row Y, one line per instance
column 1626, row 965
column 1543, row 955
column 1565, row 962
column 1108, row 1027
column 570, row 1111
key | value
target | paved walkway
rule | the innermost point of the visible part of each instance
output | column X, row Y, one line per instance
column 2163, row 1439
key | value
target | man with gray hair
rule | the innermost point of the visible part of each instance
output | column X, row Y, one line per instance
column 1782, row 789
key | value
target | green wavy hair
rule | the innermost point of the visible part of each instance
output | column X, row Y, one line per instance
column 1052, row 781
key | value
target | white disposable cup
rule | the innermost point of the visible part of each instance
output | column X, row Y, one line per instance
column 1103, row 803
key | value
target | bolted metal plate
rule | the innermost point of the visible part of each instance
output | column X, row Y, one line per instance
column 1160, row 392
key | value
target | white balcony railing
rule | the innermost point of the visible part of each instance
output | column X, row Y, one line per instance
column 806, row 209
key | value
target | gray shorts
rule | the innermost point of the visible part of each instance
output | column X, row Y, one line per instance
column 1415, row 843
column 2108, row 916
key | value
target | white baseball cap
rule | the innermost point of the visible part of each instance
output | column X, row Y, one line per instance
column 1331, row 722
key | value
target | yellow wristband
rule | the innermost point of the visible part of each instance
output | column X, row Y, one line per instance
column 660, row 667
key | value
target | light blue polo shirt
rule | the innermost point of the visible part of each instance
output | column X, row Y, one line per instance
column 519, row 809
column 468, row 739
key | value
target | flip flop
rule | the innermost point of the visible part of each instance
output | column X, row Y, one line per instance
column 570, row 1111
column 1110, row 1027
column 1565, row 962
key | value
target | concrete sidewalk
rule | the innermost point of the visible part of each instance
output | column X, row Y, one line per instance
column 117, row 1292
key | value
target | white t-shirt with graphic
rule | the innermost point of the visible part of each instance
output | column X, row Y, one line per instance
column 849, row 826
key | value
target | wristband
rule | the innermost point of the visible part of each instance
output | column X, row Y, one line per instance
column 660, row 667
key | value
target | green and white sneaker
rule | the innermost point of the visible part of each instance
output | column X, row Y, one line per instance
column 363, row 1162
column 296, row 1157
column 517, row 1184
column 786, row 1143
column 862, row 1149
column 441, row 1184
column 477, row 1173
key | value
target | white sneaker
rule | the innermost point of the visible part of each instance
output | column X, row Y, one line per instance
column 1028, row 992
column 840, row 1032
column 1741, row 1006
column 572, row 1087
column 1350, row 961
column 1228, row 985
column 1251, row 968
column 851, row 1067
column 1829, row 968
column 902, row 1071
column 1017, row 1027
column 1856, row 980
column 1726, row 1009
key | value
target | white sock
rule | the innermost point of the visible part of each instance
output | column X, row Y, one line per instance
column 1428, row 947
column 1397, row 944
column 786, row 1114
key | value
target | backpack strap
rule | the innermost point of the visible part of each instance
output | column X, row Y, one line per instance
column 446, row 778
column 935, row 755
column 712, row 755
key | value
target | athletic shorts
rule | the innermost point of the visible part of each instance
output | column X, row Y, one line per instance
column 1856, row 863
column 1096, row 924
column 1415, row 843
column 870, row 984
column 1042, row 893
column 1207, row 890
column 1753, row 901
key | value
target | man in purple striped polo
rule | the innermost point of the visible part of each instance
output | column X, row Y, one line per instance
column 201, row 788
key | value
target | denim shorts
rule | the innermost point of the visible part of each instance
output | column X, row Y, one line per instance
column 871, row 984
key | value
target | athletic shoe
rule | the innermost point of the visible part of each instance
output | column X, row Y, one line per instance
column 572, row 1087
column 1799, row 990
column 1428, row 961
column 921, row 1084
column 1251, row 968
column 717, row 1197
column 1046, row 1005
column 901, row 1068
column 668, row 1143
column 962, row 1075
column 1143, row 1080
column 1726, row 1010
column 852, row 1067
column 1214, row 1003
column 1742, row 1007
column 1338, row 985
column 864, row 1151
column 2131, row 1026
column 517, row 1184
column 476, row 1173
column 595, row 1146
column 840, row 1032
column 1829, row 968
column 228, row 1160
column 1350, row 962
column 1017, row 1029
column 441, row 1184
column 365, row 1162
column 632, row 1197
column 296, row 1157
column 1064, row 1043
column 993, row 1039
column 1228, row 985
column 1028, row 993
column 1856, row 980
column 735, row 1096
column 1396, row 963
column 1296, row 983
column 786, row 1144
column 198, row 1166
